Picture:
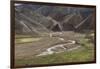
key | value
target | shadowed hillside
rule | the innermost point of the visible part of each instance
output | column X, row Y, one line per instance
column 40, row 18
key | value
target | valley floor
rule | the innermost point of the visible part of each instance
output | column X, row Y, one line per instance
column 74, row 47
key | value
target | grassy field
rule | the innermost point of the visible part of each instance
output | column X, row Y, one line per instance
column 26, row 40
column 84, row 54
column 65, row 57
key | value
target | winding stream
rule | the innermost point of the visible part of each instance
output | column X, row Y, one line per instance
column 62, row 47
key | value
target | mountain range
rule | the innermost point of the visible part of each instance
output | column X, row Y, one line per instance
column 47, row 18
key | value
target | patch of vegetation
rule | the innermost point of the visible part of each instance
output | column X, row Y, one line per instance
column 65, row 57
column 22, row 36
column 86, row 53
column 26, row 40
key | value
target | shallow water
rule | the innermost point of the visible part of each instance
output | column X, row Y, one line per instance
column 55, row 48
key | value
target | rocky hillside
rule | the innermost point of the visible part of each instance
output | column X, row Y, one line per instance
column 34, row 19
